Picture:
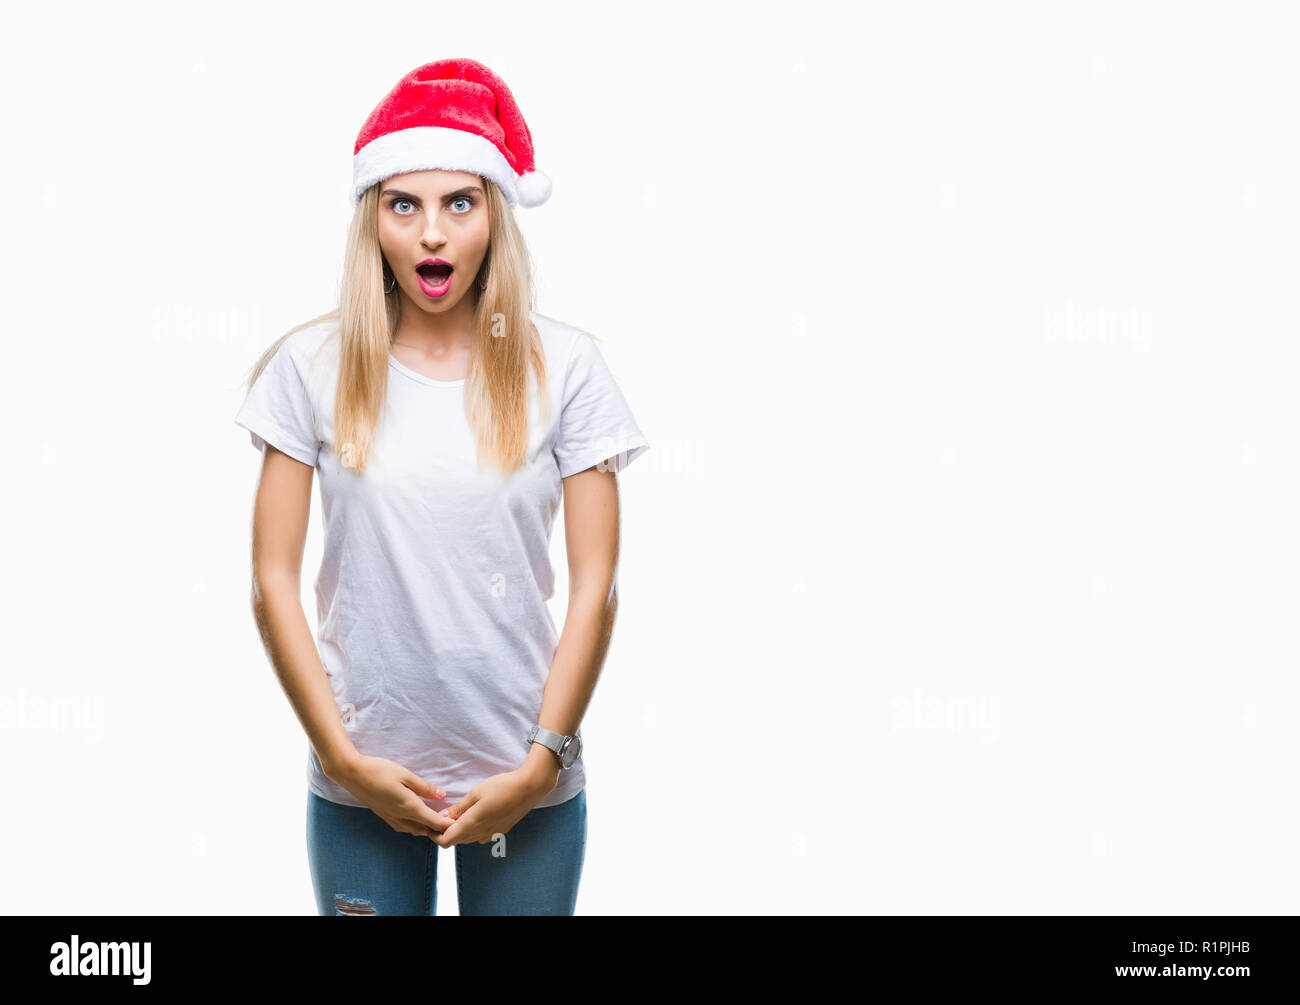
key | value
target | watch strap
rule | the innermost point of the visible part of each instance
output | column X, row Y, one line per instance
column 557, row 743
column 546, row 737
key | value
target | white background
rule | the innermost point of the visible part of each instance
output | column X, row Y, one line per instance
column 960, row 574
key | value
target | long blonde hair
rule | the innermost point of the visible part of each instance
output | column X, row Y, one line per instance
column 504, row 341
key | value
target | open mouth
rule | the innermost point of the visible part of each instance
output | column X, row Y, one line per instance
column 435, row 280
column 435, row 274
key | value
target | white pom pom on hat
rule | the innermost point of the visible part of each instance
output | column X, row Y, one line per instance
column 454, row 115
column 534, row 188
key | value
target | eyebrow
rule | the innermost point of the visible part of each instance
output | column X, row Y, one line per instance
column 415, row 198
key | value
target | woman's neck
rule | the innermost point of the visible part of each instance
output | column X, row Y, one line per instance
column 437, row 335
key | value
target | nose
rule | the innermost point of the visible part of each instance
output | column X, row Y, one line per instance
column 433, row 235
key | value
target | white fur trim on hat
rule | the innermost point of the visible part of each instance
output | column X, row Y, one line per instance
column 426, row 148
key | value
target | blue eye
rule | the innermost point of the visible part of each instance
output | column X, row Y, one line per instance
column 395, row 202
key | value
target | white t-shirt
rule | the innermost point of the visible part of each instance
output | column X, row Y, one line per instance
column 432, row 621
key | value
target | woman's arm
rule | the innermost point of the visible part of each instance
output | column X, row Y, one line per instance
column 591, row 536
column 591, row 533
column 280, row 514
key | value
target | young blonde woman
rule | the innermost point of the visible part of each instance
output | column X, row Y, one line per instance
column 446, row 420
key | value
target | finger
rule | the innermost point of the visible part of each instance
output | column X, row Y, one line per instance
column 457, row 833
column 428, row 821
column 465, row 829
column 424, row 817
column 401, row 826
column 424, row 787
column 456, row 809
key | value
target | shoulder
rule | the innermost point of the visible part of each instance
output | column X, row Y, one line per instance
column 313, row 346
column 562, row 342
column 311, row 336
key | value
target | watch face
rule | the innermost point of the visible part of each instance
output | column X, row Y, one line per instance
column 571, row 751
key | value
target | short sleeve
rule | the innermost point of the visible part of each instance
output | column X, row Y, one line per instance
column 278, row 410
column 595, row 422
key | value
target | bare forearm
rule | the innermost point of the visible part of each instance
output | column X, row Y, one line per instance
column 575, row 668
column 292, row 651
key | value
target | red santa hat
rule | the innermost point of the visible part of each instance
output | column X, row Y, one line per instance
column 454, row 115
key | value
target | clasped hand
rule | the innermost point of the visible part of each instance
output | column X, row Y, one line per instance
column 491, row 807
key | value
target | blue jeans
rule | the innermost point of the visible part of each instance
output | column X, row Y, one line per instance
column 359, row 865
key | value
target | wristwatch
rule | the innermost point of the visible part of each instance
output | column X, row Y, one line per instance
column 567, row 747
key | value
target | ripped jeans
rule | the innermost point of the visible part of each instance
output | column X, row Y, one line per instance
column 361, row 866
